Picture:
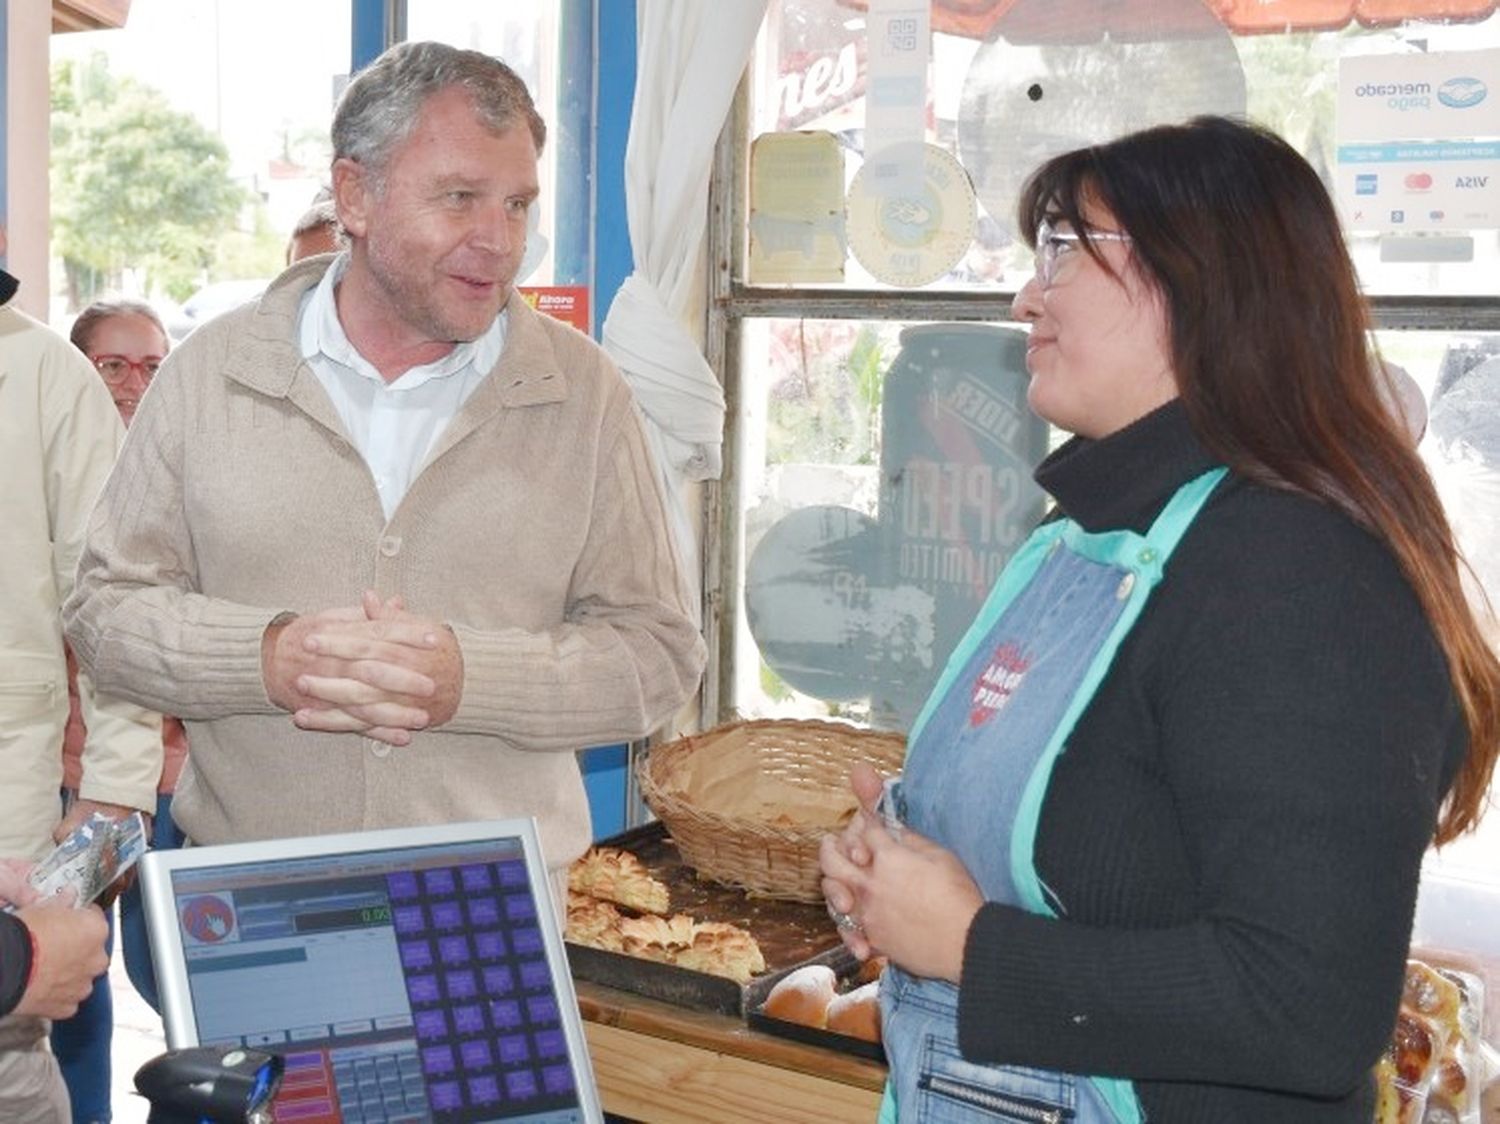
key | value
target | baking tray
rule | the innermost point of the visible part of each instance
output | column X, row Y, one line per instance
column 790, row 934
column 846, row 968
column 814, row 1036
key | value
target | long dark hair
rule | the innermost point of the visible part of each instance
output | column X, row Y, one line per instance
column 1271, row 348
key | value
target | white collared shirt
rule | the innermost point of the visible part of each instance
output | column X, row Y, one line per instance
column 393, row 425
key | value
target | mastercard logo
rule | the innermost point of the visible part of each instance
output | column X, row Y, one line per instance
column 1419, row 181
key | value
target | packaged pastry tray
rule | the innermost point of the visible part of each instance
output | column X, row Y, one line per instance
column 790, row 934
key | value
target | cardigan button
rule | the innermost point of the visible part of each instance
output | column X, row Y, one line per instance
column 378, row 748
column 390, row 545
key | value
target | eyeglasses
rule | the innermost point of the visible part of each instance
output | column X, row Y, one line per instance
column 115, row 368
column 1053, row 244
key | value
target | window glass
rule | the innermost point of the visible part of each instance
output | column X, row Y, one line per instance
column 548, row 44
column 181, row 159
column 865, row 526
column 1002, row 98
column 1458, row 376
column 885, row 479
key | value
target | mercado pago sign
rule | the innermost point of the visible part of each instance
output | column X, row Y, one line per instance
column 1419, row 141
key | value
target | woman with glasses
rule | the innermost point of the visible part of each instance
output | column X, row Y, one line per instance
column 126, row 343
column 1155, row 851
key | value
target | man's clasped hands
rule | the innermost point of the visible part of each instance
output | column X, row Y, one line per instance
column 374, row 669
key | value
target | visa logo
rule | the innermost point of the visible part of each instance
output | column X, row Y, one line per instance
column 1471, row 181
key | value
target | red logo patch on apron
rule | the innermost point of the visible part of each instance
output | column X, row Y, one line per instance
column 996, row 683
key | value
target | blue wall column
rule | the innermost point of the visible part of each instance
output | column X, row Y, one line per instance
column 606, row 770
column 615, row 55
column 374, row 25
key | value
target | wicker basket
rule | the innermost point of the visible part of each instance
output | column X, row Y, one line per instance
column 775, row 860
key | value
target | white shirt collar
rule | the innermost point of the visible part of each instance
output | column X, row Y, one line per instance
column 322, row 333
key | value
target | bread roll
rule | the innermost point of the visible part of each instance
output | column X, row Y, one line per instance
column 869, row 970
column 803, row 995
column 857, row 1013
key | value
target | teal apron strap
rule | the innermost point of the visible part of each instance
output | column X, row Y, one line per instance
column 1145, row 561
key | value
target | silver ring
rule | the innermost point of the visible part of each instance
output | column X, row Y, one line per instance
column 846, row 922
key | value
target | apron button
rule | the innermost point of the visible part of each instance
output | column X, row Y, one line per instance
column 1147, row 556
column 1127, row 583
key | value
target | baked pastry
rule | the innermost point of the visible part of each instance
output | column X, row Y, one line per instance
column 1427, row 1072
column 656, row 938
column 857, row 1012
column 1415, row 1048
column 592, row 922
column 1454, row 1091
column 1431, row 994
column 803, row 995
column 607, row 877
column 715, row 947
column 721, row 949
column 1390, row 1099
column 617, row 876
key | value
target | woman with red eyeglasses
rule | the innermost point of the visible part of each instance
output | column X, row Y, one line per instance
column 126, row 343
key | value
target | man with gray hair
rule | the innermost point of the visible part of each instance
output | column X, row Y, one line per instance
column 387, row 540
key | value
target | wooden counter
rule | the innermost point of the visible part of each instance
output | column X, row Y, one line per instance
column 671, row 1065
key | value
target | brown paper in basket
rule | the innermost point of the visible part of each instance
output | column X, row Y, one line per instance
column 723, row 776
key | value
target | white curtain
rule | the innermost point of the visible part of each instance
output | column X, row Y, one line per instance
column 690, row 55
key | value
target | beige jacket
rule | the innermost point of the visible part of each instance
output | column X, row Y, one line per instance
column 535, row 529
column 58, row 435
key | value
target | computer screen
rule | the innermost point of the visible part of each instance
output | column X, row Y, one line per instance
column 408, row 975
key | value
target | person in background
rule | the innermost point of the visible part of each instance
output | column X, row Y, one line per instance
column 1162, row 820
column 316, row 232
column 126, row 343
column 387, row 540
column 59, row 434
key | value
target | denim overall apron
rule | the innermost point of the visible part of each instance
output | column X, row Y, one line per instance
column 981, row 757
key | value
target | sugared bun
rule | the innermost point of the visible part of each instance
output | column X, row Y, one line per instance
column 803, row 996
column 857, row 1013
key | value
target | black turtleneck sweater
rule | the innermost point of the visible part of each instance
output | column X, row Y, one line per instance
column 1236, row 826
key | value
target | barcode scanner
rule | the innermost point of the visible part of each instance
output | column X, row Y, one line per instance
column 210, row 1085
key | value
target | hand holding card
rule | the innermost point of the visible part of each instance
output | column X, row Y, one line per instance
column 92, row 860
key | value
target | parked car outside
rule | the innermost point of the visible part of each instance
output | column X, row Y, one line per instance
column 211, row 300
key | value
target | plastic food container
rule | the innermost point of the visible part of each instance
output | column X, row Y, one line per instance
column 1458, row 924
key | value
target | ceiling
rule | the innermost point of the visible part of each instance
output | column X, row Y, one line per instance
column 975, row 19
column 88, row 15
